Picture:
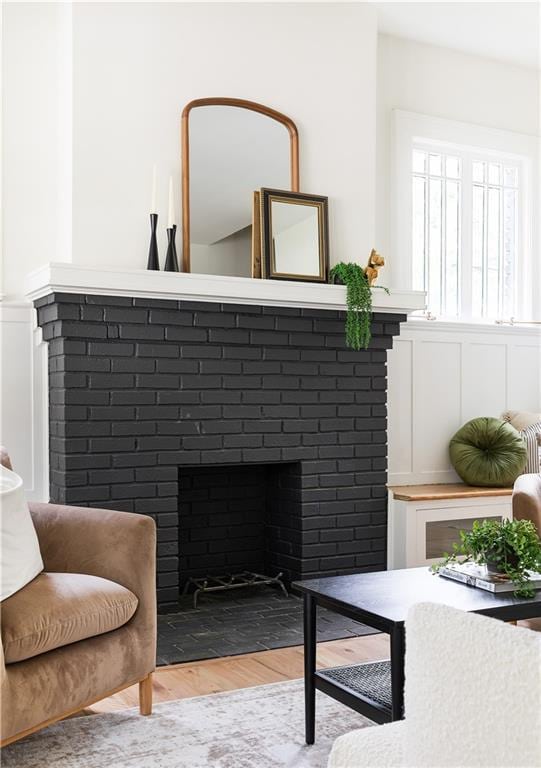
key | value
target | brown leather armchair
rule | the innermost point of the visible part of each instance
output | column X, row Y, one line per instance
column 527, row 499
column 84, row 628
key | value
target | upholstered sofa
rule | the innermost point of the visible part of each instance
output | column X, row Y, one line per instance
column 85, row 627
column 527, row 499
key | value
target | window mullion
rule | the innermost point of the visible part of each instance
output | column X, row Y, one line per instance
column 484, row 300
column 466, row 238
column 427, row 236
column 443, row 241
column 521, row 292
column 501, row 254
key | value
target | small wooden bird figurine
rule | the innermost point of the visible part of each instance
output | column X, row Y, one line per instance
column 375, row 262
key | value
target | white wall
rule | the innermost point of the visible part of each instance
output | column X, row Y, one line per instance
column 92, row 97
column 36, row 139
column 36, row 215
column 23, row 397
column 441, row 375
column 137, row 64
column 119, row 75
column 443, row 83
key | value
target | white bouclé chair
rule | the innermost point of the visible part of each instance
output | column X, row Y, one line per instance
column 472, row 698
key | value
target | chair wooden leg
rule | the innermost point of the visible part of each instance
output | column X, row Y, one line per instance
column 145, row 695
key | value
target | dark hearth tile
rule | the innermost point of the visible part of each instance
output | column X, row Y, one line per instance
column 227, row 625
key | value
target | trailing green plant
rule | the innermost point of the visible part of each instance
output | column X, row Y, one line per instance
column 512, row 547
column 358, row 302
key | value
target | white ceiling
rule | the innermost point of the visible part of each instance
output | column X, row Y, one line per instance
column 506, row 31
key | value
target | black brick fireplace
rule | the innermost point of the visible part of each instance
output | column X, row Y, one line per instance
column 250, row 434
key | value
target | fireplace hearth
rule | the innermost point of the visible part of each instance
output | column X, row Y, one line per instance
column 243, row 621
column 153, row 401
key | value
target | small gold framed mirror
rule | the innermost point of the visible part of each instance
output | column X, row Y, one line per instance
column 294, row 236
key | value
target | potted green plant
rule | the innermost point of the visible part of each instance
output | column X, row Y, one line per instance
column 509, row 547
column 358, row 301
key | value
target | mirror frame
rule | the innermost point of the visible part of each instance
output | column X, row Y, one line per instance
column 268, row 265
column 185, row 155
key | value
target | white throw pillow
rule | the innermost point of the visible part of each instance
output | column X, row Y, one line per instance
column 521, row 419
column 19, row 547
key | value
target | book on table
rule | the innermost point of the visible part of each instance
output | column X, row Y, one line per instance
column 478, row 576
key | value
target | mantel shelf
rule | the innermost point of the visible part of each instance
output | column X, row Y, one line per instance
column 141, row 283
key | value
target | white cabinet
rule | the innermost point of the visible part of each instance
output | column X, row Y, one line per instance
column 421, row 530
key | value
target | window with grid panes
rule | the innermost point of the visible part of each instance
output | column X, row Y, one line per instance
column 465, row 214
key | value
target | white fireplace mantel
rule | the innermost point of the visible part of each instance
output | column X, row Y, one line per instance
column 142, row 283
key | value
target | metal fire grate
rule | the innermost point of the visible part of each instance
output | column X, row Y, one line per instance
column 231, row 581
column 372, row 680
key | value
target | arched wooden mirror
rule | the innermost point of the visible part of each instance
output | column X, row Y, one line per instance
column 230, row 148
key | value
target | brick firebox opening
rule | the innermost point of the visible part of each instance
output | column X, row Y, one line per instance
column 235, row 518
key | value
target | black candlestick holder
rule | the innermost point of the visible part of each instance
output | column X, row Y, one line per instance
column 171, row 261
column 153, row 261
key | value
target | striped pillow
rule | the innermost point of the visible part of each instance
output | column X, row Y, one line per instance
column 532, row 437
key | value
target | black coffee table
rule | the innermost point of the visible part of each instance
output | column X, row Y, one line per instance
column 382, row 600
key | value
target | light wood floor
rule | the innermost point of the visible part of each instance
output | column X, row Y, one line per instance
column 198, row 678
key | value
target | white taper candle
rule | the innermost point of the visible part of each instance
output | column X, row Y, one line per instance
column 171, row 204
column 153, row 205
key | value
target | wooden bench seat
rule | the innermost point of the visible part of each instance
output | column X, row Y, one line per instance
column 445, row 491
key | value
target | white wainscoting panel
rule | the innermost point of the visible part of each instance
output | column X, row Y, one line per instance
column 523, row 375
column 444, row 374
column 23, row 399
column 484, row 380
column 436, row 399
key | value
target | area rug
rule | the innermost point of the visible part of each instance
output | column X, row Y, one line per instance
column 260, row 727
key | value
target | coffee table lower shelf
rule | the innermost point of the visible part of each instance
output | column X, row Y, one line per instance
column 366, row 688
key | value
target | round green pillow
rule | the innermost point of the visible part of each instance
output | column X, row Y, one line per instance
column 488, row 452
